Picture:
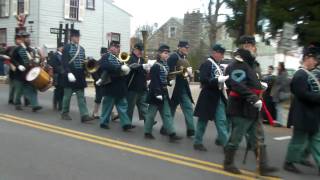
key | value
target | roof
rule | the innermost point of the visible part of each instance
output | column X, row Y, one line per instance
column 112, row 3
column 178, row 20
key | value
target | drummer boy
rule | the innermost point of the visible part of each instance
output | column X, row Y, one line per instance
column 22, row 62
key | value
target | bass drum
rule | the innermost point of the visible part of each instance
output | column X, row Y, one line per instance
column 39, row 78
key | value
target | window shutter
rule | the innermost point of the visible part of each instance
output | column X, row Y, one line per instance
column 26, row 6
column 7, row 11
column 67, row 9
column 81, row 10
column 14, row 7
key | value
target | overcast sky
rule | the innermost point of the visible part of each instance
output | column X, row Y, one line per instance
column 157, row 11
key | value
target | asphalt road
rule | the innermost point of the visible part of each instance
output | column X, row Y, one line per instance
column 38, row 146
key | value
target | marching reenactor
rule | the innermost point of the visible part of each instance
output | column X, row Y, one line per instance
column 24, row 61
column 244, row 107
column 57, row 65
column 74, row 80
column 114, row 93
column 304, row 113
column 158, row 97
column 182, row 94
column 97, row 86
column 212, row 99
column 12, row 67
column 137, row 82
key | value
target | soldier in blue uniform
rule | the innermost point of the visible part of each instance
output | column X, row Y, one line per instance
column 244, row 107
column 97, row 86
column 23, row 64
column 181, row 94
column 56, row 63
column 137, row 82
column 115, row 92
column 13, row 66
column 304, row 114
column 212, row 99
column 74, row 80
column 158, row 97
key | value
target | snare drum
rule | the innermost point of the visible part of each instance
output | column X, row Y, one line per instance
column 39, row 78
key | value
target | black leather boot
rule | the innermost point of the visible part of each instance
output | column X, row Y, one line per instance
column 65, row 116
column 228, row 164
column 288, row 166
column 265, row 169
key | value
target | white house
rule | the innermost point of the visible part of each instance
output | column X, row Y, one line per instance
column 97, row 20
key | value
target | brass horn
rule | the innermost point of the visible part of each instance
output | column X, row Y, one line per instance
column 124, row 57
column 181, row 69
column 91, row 65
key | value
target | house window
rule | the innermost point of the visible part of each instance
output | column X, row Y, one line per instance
column 172, row 31
column 3, row 8
column 3, row 35
column 20, row 6
column 74, row 9
column 111, row 36
column 115, row 37
column 90, row 4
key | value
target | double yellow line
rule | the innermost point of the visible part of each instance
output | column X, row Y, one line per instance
column 144, row 151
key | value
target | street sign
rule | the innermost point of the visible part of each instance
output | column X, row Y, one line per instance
column 56, row 31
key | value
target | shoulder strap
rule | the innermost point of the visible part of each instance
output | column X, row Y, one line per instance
column 312, row 76
column 75, row 56
column 216, row 65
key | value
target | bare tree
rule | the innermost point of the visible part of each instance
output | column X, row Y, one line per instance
column 214, row 7
column 150, row 28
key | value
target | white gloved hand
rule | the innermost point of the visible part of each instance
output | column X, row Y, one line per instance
column 21, row 68
column 258, row 105
column 159, row 97
column 71, row 77
column 125, row 69
column 189, row 70
column 172, row 82
column 264, row 85
column 222, row 79
column 148, row 82
column 98, row 83
column 37, row 60
column 146, row 67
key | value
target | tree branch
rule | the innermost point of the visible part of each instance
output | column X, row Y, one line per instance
column 223, row 14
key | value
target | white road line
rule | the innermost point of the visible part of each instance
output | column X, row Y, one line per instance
column 281, row 138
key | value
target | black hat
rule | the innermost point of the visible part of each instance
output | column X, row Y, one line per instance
column 218, row 48
column 18, row 35
column 114, row 43
column 183, row 44
column 74, row 33
column 245, row 39
column 138, row 46
column 314, row 44
column 163, row 48
column 312, row 52
column 103, row 50
column 25, row 34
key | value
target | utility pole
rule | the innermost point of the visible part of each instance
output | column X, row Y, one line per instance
column 251, row 17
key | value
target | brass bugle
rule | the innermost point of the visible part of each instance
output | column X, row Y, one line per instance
column 124, row 57
column 91, row 66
